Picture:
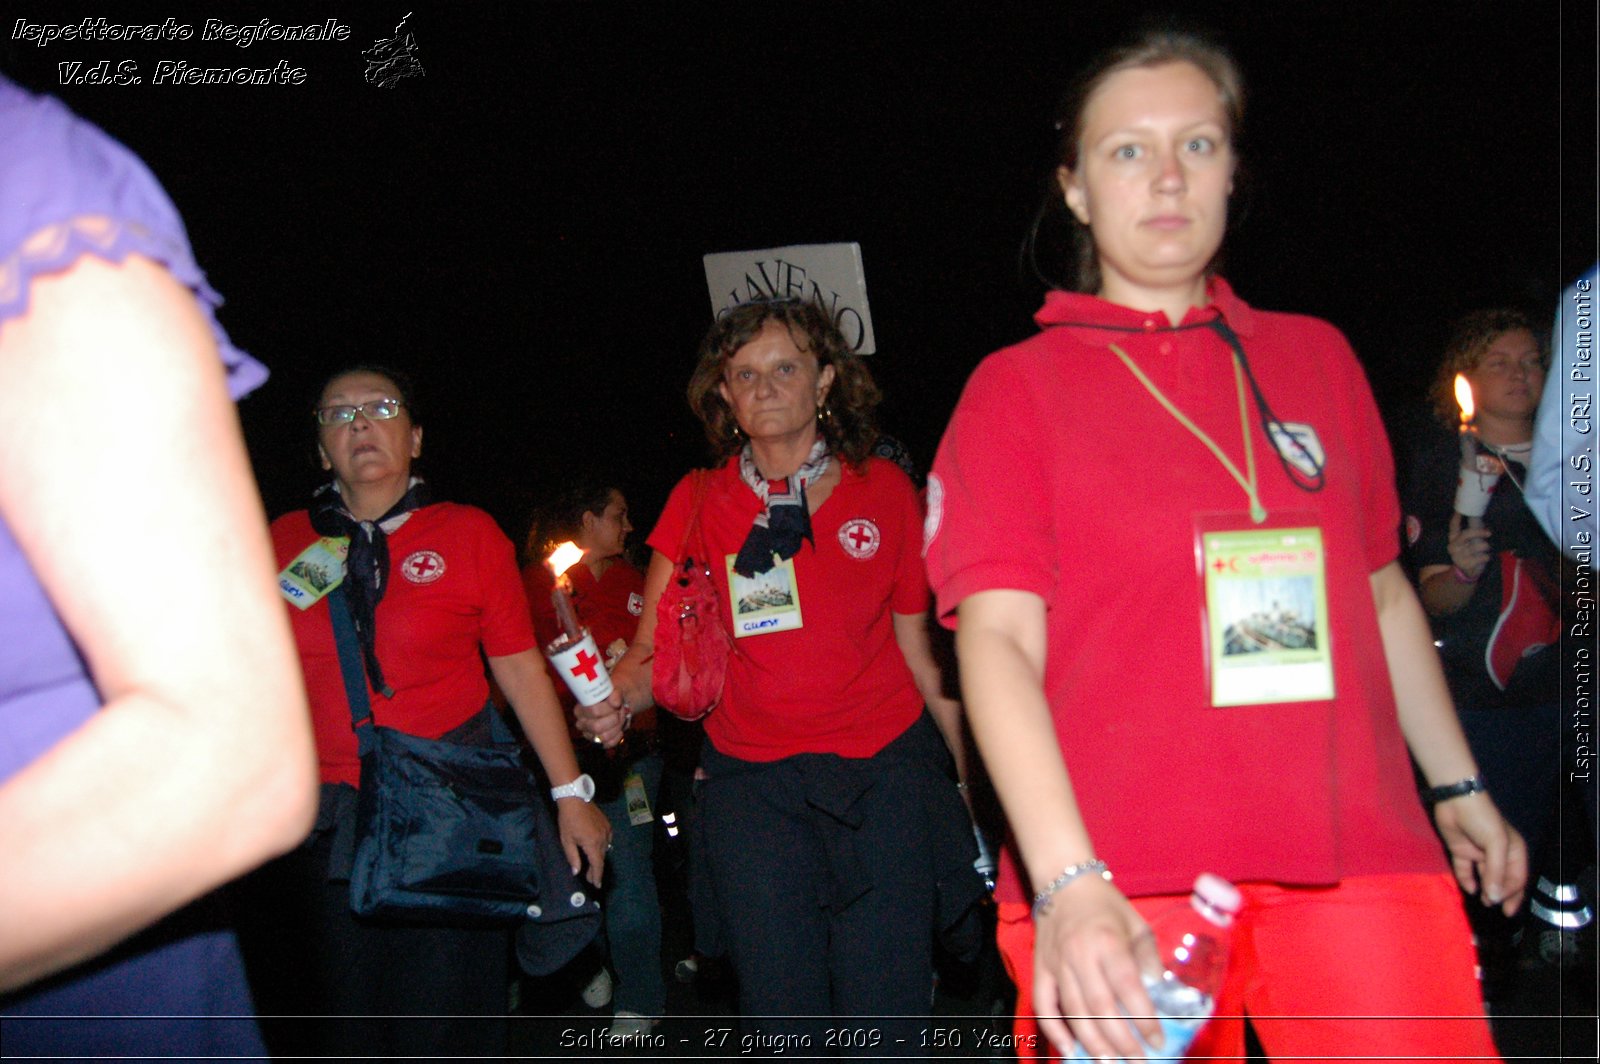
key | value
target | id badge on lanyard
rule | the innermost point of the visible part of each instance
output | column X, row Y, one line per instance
column 1264, row 603
column 764, row 603
column 315, row 571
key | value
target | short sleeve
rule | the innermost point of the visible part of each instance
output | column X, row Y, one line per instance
column 989, row 506
column 910, row 594
column 507, row 627
column 68, row 190
column 668, row 533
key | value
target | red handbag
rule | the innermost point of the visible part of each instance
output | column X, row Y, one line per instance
column 691, row 646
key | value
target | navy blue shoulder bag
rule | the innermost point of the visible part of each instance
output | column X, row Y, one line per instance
column 448, row 832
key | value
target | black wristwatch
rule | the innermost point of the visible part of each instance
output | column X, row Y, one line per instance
column 1470, row 785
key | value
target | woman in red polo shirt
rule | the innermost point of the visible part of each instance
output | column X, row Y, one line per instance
column 1185, row 642
column 433, row 589
column 836, row 841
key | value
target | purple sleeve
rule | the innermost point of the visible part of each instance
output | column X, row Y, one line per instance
column 66, row 190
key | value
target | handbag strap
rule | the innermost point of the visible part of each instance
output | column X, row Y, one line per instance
column 702, row 482
column 355, row 678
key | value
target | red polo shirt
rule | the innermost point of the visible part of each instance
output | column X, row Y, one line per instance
column 1061, row 475
column 453, row 588
column 839, row 684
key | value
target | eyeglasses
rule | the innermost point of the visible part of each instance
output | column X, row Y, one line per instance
column 375, row 410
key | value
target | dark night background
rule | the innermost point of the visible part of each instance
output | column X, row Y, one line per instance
column 522, row 227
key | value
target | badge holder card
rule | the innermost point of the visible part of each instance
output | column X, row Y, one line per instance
column 764, row 603
column 1264, row 608
column 315, row 571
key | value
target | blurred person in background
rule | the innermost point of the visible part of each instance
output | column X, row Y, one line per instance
column 153, row 733
column 607, row 596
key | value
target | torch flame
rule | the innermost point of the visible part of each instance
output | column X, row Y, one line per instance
column 564, row 557
column 1464, row 398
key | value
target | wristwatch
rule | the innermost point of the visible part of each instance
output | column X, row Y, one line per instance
column 582, row 787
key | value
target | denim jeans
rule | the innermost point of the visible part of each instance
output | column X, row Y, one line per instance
column 632, row 911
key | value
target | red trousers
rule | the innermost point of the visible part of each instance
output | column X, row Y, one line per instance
column 1378, row 966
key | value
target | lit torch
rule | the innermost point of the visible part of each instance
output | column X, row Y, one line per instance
column 1478, row 473
column 564, row 557
column 574, row 653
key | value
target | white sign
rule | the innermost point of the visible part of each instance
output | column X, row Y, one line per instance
column 829, row 275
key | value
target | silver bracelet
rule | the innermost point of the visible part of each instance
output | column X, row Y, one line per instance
column 1041, row 900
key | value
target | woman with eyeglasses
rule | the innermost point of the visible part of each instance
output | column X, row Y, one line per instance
column 1490, row 583
column 430, row 586
column 1186, row 644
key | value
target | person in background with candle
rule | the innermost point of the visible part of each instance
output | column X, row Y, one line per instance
column 1490, row 586
column 153, row 737
column 607, row 596
column 1224, row 678
column 431, row 586
column 836, row 843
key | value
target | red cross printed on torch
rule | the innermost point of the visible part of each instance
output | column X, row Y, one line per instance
column 585, row 665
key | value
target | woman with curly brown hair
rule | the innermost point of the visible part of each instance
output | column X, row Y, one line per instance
column 1490, row 586
column 835, row 837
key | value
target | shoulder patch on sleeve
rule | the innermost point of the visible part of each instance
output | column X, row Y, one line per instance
column 935, row 515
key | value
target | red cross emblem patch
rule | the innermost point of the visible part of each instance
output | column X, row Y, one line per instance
column 860, row 538
column 422, row 567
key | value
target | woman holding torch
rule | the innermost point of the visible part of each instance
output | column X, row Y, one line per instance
column 1487, row 573
column 431, row 586
column 836, row 843
column 1226, row 679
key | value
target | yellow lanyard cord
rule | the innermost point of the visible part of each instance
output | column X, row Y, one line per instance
column 1258, row 513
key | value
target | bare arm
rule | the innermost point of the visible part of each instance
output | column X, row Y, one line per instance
column 1089, row 947
column 911, row 633
column 1488, row 854
column 1441, row 592
column 631, row 678
column 119, row 445
column 584, row 828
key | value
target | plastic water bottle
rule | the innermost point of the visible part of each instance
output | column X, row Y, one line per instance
column 1193, row 939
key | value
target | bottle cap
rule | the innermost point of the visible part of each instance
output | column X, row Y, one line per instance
column 1216, row 899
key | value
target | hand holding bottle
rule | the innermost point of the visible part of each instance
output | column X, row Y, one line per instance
column 1192, row 939
column 1089, row 950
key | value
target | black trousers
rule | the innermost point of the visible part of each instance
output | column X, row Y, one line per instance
column 824, row 875
column 328, row 983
